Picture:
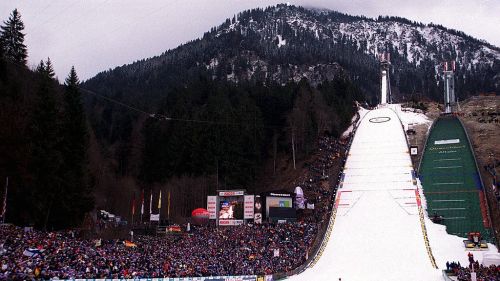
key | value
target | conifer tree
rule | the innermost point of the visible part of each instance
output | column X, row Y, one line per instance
column 49, row 69
column 74, row 152
column 46, row 69
column 12, row 38
column 1, row 48
column 41, row 67
column 46, row 157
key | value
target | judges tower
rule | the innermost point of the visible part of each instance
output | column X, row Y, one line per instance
column 385, row 83
column 449, row 87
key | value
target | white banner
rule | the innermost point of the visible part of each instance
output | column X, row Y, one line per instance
column 248, row 207
column 154, row 217
column 208, row 278
column 232, row 193
column 230, row 222
column 447, row 141
column 212, row 207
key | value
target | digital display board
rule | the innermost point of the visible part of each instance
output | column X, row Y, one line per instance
column 282, row 202
column 231, row 207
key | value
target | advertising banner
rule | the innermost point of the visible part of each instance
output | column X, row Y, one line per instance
column 452, row 141
column 257, row 217
column 210, row 278
column 212, row 207
column 232, row 193
column 230, row 222
column 249, row 207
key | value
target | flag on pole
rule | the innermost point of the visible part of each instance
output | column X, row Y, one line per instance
column 142, row 203
column 133, row 205
column 168, row 205
column 151, row 203
column 4, row 205
column 159, row 201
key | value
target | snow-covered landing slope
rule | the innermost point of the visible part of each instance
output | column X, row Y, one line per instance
column 377, row 232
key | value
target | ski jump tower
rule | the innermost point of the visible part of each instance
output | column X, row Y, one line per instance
column 385, row 81
column 449, row 87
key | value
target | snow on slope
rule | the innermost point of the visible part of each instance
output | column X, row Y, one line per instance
column 445, row 247
column 377, row 233
column 413, row 41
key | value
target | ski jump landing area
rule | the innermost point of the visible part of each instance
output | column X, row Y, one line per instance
column 377, row 227
column 451, row 180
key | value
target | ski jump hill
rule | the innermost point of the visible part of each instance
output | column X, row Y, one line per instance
column 451, row 181
column 377, row 229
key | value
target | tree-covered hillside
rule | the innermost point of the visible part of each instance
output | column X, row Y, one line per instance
column 228, row 103
column 43, row 139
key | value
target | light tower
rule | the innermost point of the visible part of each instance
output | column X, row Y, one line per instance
column 385, row 81
column 449, row 86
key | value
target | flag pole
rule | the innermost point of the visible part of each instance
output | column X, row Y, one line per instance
column 150, row 206
column 168, row 205
column 159, row 207
column 4, row 207
column 142, row 204
column 133, row 209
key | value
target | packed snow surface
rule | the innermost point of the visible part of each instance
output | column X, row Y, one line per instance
column 377, row 232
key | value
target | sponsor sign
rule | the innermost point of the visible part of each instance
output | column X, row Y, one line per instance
column 280, row 194
column 257, row 217
column 208, row 278
column 230, row 222
column 248, row 207
column 232, row 193
column 447, row 141
column 212, row 207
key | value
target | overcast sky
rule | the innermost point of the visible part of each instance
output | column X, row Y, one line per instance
column 95, row 35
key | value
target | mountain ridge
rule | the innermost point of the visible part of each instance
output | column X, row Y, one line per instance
column 281, row 43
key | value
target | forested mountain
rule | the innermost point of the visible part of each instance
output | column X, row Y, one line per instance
column 287, row 43
column 224, row 111
column 43, row 139
column 217, row 109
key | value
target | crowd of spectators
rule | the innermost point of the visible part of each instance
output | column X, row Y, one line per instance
column 492, row 170
column 484, row 116
column 204, row 251
column 483, row 273
column 330, row 158
column 318, row 187
column 252, row 249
